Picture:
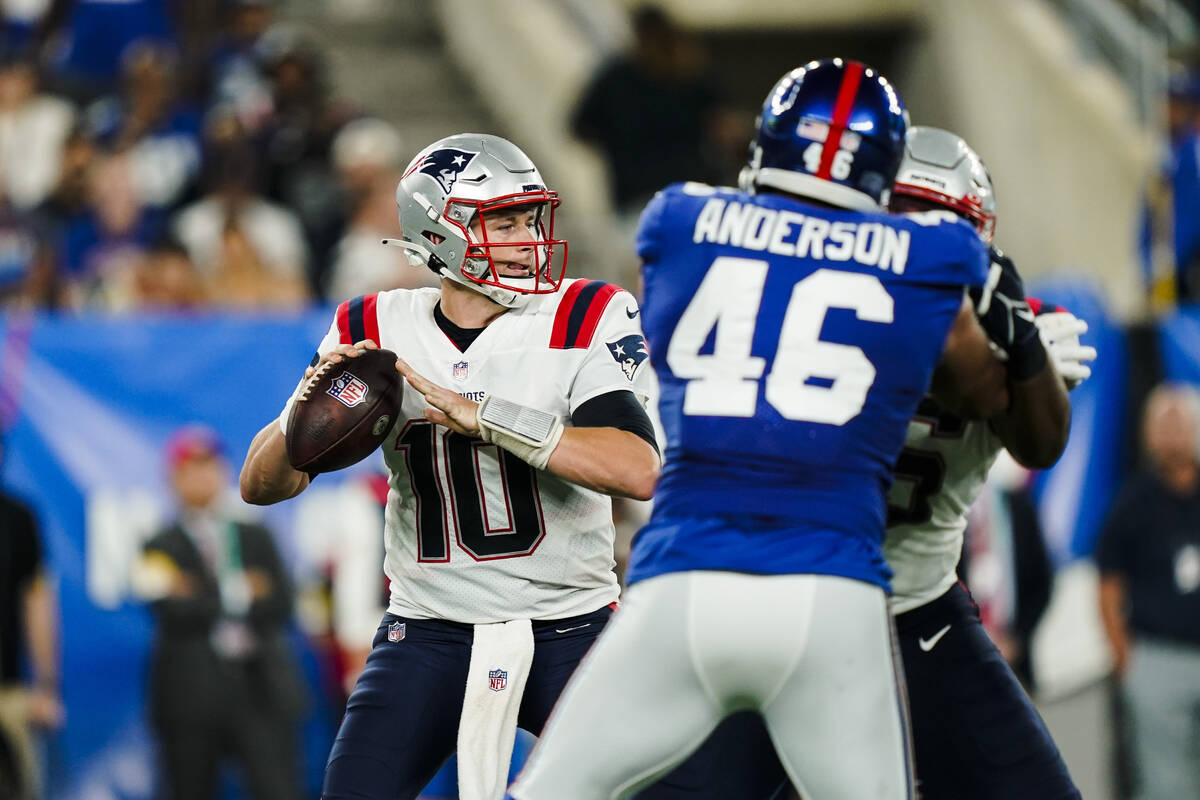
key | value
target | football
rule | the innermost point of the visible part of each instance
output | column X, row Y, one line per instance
column 344, row 411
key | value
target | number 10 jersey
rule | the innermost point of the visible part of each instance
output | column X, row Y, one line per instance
column 472, row 533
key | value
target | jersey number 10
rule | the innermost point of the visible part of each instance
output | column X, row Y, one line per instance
column 519, row 527
column 725, row 383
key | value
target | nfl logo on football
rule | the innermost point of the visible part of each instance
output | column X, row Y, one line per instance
column 395, row 631
column 348, row 390
column 498, row 680
column 460, row 371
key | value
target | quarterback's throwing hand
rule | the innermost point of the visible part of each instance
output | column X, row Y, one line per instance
column 447, row 408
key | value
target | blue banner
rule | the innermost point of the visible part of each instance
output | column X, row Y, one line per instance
column 1179, row 340
column 89, row 403
column 1075, row 494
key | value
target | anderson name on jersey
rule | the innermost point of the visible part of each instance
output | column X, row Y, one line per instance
column 792, row 343
column 472, row 533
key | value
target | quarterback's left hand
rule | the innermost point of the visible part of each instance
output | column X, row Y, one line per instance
column 1060, row 331
column 447, row 408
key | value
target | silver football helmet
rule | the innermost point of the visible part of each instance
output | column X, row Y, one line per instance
column 941, row 169
column 441, row 198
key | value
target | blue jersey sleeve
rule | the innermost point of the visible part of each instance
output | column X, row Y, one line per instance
column 650, row 228
column 945, row 250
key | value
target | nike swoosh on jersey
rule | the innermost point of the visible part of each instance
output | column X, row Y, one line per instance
column 568, row 630
column 632, row 314
column 931, row 642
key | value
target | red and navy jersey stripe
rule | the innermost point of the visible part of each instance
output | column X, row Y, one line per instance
column 1038, row 306
column 357, row 320
column 579, row 313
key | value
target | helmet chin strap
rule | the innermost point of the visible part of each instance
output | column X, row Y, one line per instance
column 419, row 256
column 505, row 297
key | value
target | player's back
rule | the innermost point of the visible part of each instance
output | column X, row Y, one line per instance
column 792, row 343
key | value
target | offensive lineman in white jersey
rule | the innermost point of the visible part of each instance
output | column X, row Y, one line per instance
column 498, row 528
column 975, row 732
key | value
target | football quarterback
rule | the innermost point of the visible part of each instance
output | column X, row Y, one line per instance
column 522, row 410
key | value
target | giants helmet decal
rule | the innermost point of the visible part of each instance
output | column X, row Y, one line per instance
column 832, row 131
column 448, row 186
column 942, row 169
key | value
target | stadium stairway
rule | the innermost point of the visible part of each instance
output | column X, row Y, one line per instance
column 390, row 58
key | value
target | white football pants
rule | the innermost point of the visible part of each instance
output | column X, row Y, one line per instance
column 813, row 653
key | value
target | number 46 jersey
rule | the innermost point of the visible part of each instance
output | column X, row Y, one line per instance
column 472, row 533
column 792, row 344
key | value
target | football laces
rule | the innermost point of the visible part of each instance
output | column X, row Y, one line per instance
column 311, row 383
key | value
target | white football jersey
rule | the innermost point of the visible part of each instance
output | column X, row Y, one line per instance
column 939, row 473
column 472, row 533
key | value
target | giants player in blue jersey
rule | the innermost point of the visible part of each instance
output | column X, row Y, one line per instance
column 975, row 731
column 794, row 327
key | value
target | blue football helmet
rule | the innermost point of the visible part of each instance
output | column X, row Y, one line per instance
column 832, row 131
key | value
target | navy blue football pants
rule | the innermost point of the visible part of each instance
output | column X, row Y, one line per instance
column 975, row 732
column 401, row 722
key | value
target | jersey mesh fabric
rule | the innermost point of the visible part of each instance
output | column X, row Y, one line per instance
column 924, row 553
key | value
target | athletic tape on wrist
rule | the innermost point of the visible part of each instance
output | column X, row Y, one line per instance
column 530, row 425
column 528, row 433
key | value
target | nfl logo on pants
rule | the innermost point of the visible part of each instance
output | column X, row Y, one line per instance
column 498, row 680
column 396, row 631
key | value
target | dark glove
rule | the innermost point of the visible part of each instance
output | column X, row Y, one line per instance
column 1008, row 320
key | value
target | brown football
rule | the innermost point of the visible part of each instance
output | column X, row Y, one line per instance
column 344, row 411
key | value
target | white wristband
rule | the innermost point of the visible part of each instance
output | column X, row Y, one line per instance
column 528, row 433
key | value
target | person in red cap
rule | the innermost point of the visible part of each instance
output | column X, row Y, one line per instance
column 223, row 683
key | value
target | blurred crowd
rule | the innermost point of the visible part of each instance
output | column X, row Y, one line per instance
column 183, row 155
column 1170, row 227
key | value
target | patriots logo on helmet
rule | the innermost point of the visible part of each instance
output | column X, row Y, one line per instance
column 446, row 164
column 629, row 351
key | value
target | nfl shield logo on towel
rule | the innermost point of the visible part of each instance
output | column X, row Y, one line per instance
column 499, row 680
column 395, row 631
column 460, row 371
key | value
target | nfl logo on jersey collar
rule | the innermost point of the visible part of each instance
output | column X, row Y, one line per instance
column 459, row 370
column 396, row 631
column 497, row 680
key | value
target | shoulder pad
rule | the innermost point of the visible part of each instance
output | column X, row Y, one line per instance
column 357, row 320
column 579, row 313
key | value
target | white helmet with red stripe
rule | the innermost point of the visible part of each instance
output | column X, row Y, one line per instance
column 940, row 169
column 442, row 197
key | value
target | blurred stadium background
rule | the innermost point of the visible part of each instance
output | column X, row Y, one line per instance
column 190, row 185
